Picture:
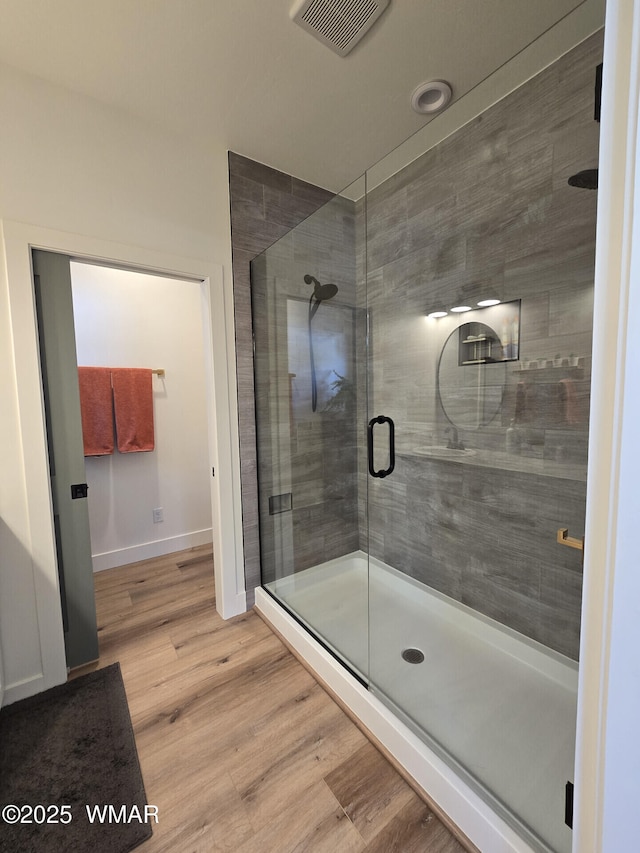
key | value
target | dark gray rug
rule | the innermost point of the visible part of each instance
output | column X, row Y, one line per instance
column 72, row 747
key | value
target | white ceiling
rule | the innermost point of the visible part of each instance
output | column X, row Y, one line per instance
column 241, row 75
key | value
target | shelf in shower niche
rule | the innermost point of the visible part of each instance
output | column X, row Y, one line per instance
column 443, row 452
column 552, row 371
column 499, row 461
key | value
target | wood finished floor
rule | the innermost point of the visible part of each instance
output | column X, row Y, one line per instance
column 240, row 748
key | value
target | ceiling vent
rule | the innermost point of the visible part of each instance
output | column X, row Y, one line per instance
column 340, row 24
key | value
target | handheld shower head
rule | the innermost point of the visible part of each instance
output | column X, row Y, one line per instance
column 327, row 291
column 321, row 292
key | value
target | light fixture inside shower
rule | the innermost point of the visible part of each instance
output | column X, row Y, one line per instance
column 437, row 313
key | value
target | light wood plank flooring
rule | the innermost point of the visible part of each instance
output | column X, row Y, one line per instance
column 241, row 749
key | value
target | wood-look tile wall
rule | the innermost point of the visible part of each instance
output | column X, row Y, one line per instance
column 488, row 212
column 265, row 205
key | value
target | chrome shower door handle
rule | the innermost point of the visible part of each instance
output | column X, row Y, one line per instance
column 384, row 472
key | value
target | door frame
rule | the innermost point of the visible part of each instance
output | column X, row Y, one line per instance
column 224, row 453
column 607, row 745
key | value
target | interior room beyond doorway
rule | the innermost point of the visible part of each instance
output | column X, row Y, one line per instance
column 147, row 504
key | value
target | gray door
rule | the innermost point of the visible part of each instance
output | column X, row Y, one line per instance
column 54, row 303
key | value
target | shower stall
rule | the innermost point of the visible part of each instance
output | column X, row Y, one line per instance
column 422, row 374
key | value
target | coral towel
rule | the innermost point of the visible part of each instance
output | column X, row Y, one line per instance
column 133, row 403
column 96, row 408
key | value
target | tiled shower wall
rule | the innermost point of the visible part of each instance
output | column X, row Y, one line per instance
column 488, row 212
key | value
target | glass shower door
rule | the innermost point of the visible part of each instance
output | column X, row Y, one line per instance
column 480, row 263
column 310, row 373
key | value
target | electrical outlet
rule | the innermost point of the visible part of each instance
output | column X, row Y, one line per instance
column 158, row 515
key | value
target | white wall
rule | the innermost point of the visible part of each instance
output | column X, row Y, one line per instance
column 71, row 163
column 129, row 319
column 75, row 166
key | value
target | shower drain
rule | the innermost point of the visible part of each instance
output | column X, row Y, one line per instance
column 412, row 655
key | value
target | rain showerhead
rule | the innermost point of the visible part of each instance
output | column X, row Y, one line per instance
column 586, row 180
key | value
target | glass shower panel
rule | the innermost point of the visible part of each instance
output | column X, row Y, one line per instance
column 310, row 381
column 474, row 598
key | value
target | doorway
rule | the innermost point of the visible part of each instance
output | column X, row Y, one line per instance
column 95, row 316
column 147, row 504
column 38, row 638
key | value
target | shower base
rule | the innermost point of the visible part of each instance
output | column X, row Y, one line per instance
column 485, row 723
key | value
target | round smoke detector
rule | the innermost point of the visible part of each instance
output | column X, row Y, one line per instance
column 431, row 97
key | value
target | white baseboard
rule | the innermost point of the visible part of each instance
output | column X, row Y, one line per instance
column 234, row 607
column 147, row 550
column 23, row 689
